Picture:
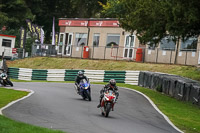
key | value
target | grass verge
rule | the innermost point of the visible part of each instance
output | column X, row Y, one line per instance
column 9, row 126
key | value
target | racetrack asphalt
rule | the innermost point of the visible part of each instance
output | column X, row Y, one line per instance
column 57, row 106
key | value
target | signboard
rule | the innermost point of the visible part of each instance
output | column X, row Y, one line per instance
column 81, row 23
column 56, row 38
column 91, row 23
column 14, row 50
column 22, row 37
column 104, row 23
column 29, row 23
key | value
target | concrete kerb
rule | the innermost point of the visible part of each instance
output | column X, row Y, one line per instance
column 13, row 102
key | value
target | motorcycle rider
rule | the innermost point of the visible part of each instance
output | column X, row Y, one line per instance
column 111, row 86
column 1, row 71
column 78, row 79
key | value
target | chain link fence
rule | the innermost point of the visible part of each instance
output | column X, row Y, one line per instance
column 157, row 55
column 16, row 53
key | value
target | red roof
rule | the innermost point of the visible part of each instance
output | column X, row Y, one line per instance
column 7, row 35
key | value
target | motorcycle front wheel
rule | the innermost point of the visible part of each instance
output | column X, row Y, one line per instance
column 89, row 96
column 107, row 109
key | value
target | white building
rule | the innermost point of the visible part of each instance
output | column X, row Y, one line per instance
column 7, row 42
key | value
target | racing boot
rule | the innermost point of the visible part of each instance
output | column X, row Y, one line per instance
column 98, row 106
column 78, row 90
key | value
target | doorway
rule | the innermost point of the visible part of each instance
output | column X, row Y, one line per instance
column 129, row 46
column 68, row 44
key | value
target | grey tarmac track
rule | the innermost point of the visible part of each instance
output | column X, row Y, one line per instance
column 57, row 106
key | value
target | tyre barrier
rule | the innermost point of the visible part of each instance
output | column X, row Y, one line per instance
column 175, row 86
column 128, row 77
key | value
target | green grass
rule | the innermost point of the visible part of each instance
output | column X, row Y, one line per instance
column 8, row 95
column 9, row 126
column 71, row 63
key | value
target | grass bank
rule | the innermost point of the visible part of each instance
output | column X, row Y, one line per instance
column 9, row 126
column 71, row 63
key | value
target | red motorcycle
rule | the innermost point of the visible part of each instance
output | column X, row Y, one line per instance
column 107, row 102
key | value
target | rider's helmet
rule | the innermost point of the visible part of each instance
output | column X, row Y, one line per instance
column 80, row 74
column 112, row 82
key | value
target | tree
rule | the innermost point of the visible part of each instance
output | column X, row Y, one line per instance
column 45, row 10
column 14, row 12
column 154, row 19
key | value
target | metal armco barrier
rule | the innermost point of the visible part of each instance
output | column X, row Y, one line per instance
column 128, row 77
column 175, row 86
column 139, row 54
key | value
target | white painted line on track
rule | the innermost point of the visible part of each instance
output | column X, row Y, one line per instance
column 156, row 108
column 13, row 102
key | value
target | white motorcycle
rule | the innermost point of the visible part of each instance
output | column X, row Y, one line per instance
column 4, row 80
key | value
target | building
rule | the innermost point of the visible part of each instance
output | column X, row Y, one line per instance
column 105, row 39
column 7, row 42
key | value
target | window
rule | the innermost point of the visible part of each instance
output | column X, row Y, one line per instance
column 132, row 41
column 167, row 43
column 6, row 43
column 112, row 40
column 81, row 39
column 129, row 41
column 190, row 44
column 96, row 40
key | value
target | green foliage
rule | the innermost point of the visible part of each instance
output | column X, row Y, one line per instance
column 182, row 17
column 45, row 10
column 113, row 8
column 14, row 13
column 152, row 20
